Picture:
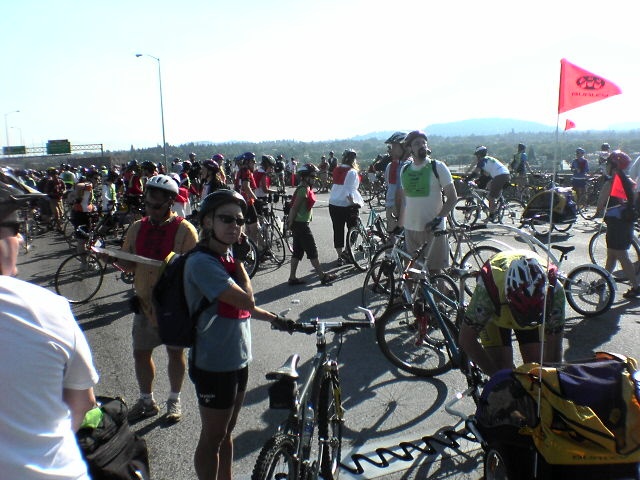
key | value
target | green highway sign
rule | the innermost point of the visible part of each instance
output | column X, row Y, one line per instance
column 16, row 150
column 58, row 146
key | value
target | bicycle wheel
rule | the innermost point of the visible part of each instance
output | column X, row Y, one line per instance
column 598, row 253
column 361, row 245
column 379, row 283
column 447, row 286
column 510, row 213
column 330, row 420
column 79, row 277
column 276, row 460
column 589, row 290
column 563, row 226
column 273, row 246
column 541, row 225
column 477, row 256
column 588, row 212
column 252, row 260
column 465, row 212
column 399, row 341
column 474, row 259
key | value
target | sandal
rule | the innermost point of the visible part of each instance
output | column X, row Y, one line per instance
column 296, row 281
column 327, row 278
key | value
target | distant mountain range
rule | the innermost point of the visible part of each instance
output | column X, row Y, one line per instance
column 486, row 126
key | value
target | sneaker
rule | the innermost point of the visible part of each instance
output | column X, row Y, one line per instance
column 632, row 293
column 142, row 409
column 174, row 411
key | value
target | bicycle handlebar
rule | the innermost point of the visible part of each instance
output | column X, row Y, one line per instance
column 337, row 326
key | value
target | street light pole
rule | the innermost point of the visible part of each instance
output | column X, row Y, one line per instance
column 164, row 142
column 6, row 124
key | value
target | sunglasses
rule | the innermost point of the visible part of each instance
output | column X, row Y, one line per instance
column 228, row 219
column 15, row 226
column 155, row 206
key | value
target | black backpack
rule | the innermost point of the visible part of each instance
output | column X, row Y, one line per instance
column 176, row 325
column 112, row 451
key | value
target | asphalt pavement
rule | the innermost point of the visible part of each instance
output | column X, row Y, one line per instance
column 396, row 426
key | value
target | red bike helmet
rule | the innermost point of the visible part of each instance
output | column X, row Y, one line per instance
column 619, row 159
column 525, row 285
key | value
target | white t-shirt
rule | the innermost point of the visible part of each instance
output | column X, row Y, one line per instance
column 421, row 210
column 42, row 350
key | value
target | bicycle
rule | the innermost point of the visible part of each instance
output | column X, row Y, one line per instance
column 269, row 237
column 468, row 208
column 389, row 266
column 363, row 241
column 80, row 276
column 309, row 442
column 589, row 288
column 421, row 337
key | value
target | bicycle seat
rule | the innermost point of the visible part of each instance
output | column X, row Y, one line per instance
column 562, row 249
column 287, row 370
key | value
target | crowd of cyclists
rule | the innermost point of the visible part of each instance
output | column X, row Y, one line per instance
column 214, row 203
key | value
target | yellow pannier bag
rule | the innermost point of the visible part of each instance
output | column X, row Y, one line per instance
column 588, row 412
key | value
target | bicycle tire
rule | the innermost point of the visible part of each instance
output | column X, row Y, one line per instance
column 379, row 284
column 276, row 460
column 274, row 244
column 462, row 214
column 598, row 253
column 79, row 277
column 330, row 420
column 252, row 260
column 588, row 212
column 361, row 246
column 477, row 256
column 563, row 226
column 540, row 226
column 589, row 290
column 396, row 333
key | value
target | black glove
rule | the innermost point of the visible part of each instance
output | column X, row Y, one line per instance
column 241, row 249
column 435, row 223
column 283, row 324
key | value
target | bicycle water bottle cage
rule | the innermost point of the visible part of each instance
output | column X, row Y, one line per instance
column 287, row 370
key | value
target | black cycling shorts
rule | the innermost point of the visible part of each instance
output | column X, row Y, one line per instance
column 218, row 390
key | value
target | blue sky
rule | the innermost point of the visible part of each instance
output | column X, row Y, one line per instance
column 301, row 69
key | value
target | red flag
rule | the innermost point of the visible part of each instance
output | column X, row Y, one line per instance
column 568, row 124
column 579, row 87
column 617, row 190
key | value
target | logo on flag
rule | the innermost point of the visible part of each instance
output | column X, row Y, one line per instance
column 579, row 87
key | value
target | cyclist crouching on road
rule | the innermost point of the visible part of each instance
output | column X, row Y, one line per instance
column 299, row 218
column 511, row 292
column 222, row 352
column 155, row 236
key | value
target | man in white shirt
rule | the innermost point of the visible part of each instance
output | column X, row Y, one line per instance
column 426, row 198
column 46, row 368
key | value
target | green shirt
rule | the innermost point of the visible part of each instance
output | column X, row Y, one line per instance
column 304, row 212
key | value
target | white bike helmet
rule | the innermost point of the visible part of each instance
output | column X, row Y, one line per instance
column 163, row 182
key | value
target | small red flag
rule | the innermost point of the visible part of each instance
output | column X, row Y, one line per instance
column 617, row 190
column 568, row 124
column 579, row 87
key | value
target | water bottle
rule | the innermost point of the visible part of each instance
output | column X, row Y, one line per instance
column 307, row 424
